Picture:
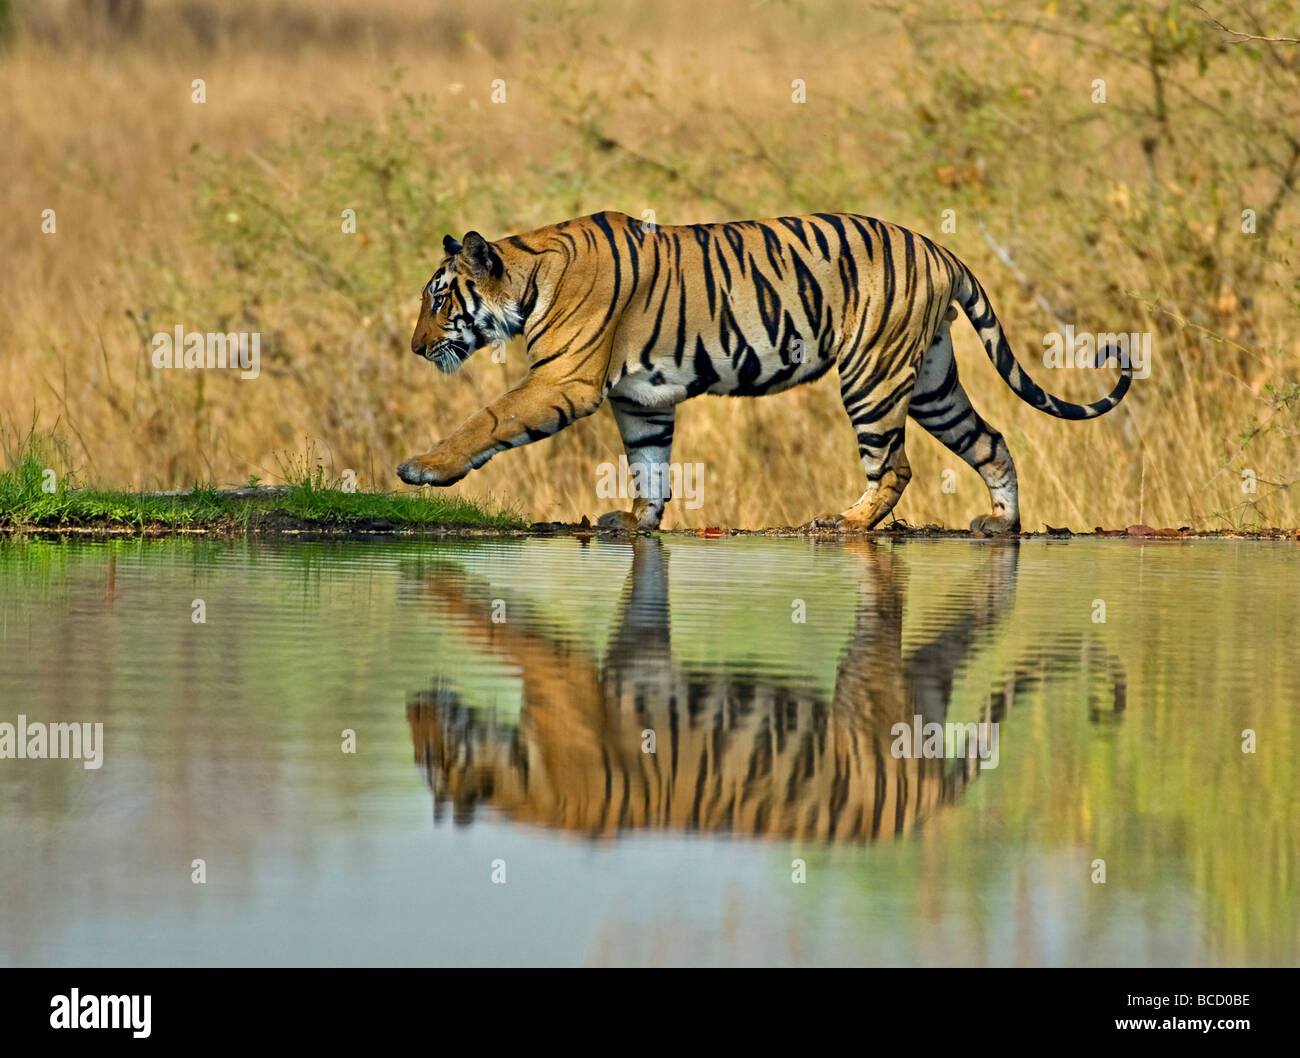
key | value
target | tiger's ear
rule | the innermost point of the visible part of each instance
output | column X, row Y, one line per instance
column 482, row 256
column 450, row 246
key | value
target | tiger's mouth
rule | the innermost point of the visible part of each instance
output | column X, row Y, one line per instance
column 445, row 355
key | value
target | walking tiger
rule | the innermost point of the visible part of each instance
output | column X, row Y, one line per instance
column 650, row 316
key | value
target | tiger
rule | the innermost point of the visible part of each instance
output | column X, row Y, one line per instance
column 648, row 316
column 756, row 752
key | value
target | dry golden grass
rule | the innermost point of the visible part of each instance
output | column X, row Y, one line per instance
column 225, row 216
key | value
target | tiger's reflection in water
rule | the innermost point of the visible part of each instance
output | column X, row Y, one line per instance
column 743, row 753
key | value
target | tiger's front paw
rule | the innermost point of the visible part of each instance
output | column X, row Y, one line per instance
column 430, row 469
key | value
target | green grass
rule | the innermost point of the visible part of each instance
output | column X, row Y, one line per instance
column 308, row 500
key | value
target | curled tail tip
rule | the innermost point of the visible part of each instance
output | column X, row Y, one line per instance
column 1113, row 356
column 979, row 311
column 1110, row 351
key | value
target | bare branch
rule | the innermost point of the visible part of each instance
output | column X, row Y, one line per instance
column 1242, row 38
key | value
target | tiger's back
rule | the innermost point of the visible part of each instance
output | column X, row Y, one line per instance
column 748, row 308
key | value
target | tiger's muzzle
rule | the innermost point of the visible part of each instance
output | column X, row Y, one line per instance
column 444, row 354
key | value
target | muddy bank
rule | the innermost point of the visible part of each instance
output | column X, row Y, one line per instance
column 278, row 524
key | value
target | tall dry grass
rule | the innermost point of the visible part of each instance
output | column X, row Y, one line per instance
column 1124, row 215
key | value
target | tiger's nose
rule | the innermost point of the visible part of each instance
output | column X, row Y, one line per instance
column 417, row 345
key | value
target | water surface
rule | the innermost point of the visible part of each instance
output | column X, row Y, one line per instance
column 501, row 805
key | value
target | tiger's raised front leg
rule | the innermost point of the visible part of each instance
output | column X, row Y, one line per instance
column 648, row 440
column 544, row 403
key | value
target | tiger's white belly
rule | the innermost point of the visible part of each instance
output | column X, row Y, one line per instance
column 752, row 372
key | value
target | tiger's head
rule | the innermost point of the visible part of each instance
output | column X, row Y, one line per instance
column 466, row 305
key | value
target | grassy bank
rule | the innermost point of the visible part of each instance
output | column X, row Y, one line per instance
column 31, row 500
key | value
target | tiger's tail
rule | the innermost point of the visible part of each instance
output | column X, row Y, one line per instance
column 975, row 303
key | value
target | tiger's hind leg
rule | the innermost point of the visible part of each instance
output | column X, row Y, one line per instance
column 941, row 406
column 880, row 425
column 647, row 434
